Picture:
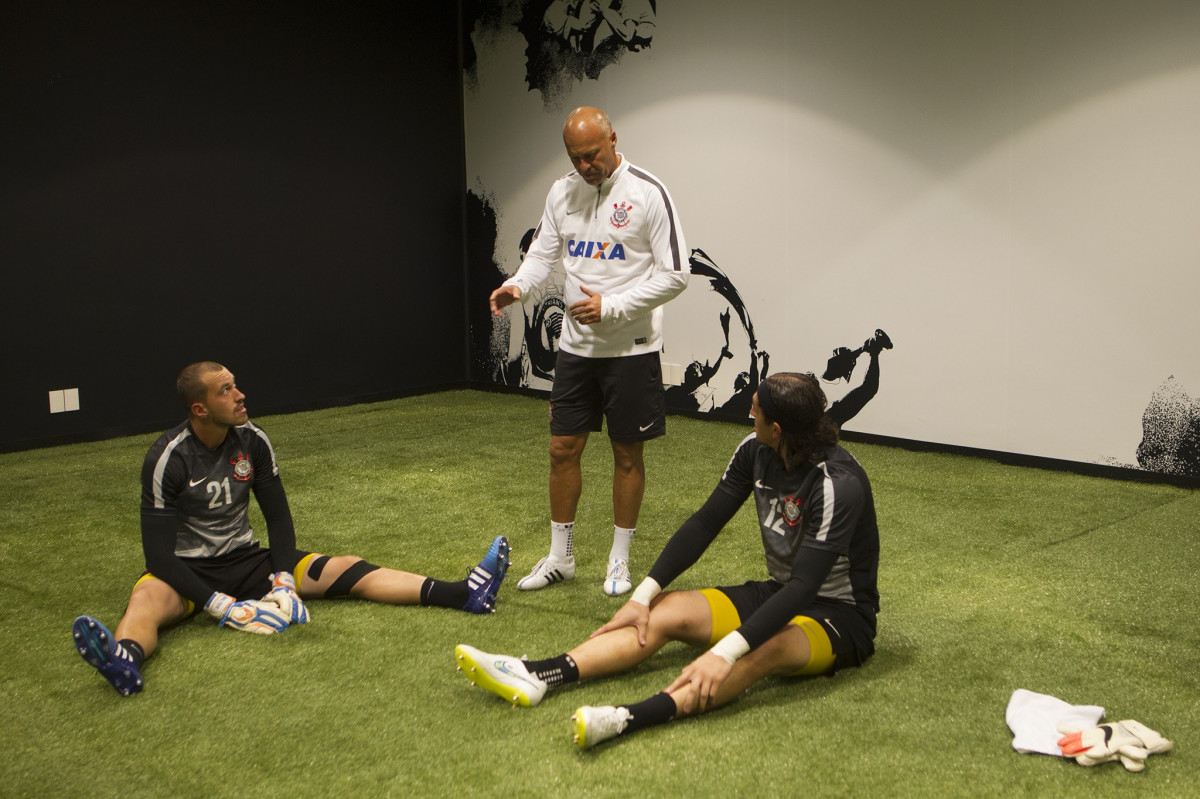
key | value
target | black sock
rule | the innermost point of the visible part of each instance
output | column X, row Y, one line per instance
column 442, row 594
column 135, row 651
column 657, row 709
column 554, row 671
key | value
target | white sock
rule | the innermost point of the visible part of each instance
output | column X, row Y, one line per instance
column 562, row 540
column 622, row 538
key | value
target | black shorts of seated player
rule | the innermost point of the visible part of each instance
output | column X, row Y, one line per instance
column 813, row 615
column 246, row 572
column 201, row 552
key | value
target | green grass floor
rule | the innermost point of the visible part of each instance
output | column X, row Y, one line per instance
column 992, row 578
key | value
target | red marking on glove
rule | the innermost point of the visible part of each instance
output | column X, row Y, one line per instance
column 1072, row 744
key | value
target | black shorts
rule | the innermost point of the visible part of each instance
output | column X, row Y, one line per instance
column 627, row 391
column 851, row 635
column 244, row 573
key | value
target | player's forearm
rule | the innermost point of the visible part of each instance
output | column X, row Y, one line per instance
column 798, row 593
column 670, row 270
column 693, row 537
column 281, row 531
column 158, row 547
column 532, row 273
column 661, row 288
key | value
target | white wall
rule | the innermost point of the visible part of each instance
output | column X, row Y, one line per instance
column 1010, row 190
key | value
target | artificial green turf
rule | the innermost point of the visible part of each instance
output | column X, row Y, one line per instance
column 992, row 578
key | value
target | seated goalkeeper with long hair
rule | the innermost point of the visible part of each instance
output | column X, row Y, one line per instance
column 814, row 615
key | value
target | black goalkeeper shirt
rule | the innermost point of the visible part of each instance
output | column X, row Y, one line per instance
column 818, row 528
column 196, row 500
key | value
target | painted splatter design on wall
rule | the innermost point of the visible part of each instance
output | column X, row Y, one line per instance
column 566, row 40
column 1171, row 432
column 489, row 335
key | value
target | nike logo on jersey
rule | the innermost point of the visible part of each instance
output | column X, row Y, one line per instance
column 194, row 483
column 573, row 211
column 759, row 485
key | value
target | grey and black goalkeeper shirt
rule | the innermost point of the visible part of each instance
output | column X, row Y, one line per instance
column 195, row 504
column 207, row 491
column 818, row 527
column 828, row 506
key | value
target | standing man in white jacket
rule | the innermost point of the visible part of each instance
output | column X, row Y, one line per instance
column 615, row 229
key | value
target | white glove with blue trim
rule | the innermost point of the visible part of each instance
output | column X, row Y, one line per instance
column 248, row 615
column 283, row 593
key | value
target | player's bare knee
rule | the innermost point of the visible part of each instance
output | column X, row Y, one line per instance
column 671, row 626
column 629, row 470
column 154, row 602
column 627, row 458
column 781, row 654
column 764, row 659
column 154, row 594
column 566, row 451
column 674, row 618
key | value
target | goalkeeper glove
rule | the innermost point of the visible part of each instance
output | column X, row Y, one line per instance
column 283, row 593
column 250, row 615
column 1129, row 741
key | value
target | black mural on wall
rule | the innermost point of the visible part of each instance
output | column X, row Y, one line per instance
column 483, row 19
column 695, row 394
column 542, row 312
column 519, row 349
column 1171, row 432
column 841, row 365
column 566, row 40
column 488, row 335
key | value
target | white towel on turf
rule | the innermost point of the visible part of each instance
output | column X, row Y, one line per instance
column 1034, row 719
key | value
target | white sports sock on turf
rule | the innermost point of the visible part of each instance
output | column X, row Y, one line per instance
column 622, row 538
column 562, row 540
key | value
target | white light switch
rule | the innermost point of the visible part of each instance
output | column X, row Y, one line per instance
column 672, row 374
column 64, row 399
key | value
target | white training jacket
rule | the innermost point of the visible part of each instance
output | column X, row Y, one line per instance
column 622, row 240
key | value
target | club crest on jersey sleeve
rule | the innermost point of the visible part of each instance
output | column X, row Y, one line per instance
column 242, row 469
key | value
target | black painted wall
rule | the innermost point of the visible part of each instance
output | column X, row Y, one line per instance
column 274, row 184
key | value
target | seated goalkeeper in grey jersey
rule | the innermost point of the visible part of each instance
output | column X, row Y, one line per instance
column 813, row 615
column 200, row 550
